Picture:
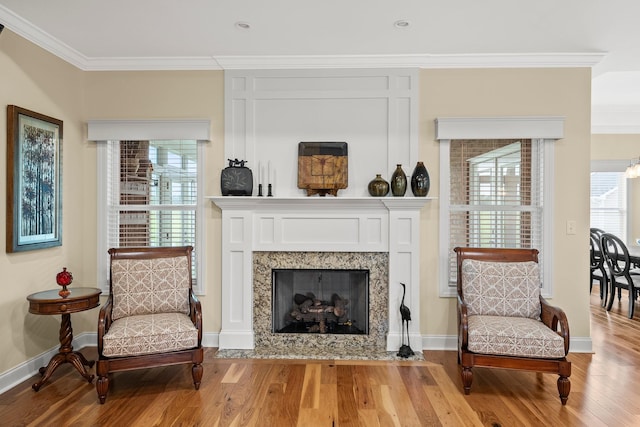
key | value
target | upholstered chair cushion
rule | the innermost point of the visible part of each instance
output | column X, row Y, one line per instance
column 501, row 288
column 150, row 333
column 513, row 336
column 146, row 286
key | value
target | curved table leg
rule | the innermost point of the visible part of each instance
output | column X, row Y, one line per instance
column 65, row 355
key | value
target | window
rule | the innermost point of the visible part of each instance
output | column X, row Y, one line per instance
column 151, row 196
column 609, row 198
column 495, row 195
column 496, row 190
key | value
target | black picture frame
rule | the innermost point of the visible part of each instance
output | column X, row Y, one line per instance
column 34, row 180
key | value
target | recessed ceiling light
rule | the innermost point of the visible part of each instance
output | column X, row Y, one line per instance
column 401, row 23
column 243, row 25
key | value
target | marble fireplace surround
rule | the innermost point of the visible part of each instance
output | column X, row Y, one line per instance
column 268, row 342
column 260, row 233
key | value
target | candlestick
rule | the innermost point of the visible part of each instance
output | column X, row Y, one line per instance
column 269, row 172
column 259, row 190
column 269, row 193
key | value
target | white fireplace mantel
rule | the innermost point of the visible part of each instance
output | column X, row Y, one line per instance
column 317, row 224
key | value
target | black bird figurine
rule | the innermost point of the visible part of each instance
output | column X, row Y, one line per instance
column 405, row 349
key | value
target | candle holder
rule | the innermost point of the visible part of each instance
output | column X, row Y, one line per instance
column 259, row 190
column 269, row 193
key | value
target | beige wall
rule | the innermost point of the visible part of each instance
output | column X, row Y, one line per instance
column 43, row 83
column 38, row 81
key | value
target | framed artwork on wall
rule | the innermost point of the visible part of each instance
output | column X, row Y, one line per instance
column 34, row 180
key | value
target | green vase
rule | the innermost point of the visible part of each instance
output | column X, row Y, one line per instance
column 378, row 187
column 398, row 182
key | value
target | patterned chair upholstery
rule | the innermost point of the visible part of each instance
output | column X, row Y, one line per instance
column 151, row 317
column 503, row 321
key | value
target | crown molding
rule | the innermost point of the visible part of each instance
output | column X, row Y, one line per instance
column 35, row 35
column 150, row 64
column 531, row 60
column 284, row 62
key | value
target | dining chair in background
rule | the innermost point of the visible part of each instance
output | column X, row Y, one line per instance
column 619, row 267
column 598, row 269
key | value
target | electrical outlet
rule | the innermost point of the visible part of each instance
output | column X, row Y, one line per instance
column 571, row 227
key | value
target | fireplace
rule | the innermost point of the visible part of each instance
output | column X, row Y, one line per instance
column 320, row 301
column 359, row 277
column 263, row 234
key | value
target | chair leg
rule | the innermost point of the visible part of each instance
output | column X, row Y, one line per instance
column 102, row 387
column 604, row 286
column 564, row 387
column 196, row 373
column 612, row 296
column 467, row 378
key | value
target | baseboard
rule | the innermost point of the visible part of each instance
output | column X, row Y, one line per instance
column 440, row 342
column 581, row 345
column 29, row 368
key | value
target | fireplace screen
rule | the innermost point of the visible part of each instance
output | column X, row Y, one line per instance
column 320, row 301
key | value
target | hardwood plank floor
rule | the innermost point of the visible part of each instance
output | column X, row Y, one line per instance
column 238, row 392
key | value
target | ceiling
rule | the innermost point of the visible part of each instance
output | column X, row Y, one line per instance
column 204, row 34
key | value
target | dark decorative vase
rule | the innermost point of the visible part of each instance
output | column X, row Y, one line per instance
column 378, row 187
column 398, row 182
column 420, row 181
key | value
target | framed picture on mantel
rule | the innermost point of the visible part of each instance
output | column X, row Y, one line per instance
column 34, row 180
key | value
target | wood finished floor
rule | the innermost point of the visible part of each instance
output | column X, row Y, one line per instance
column 235, row 392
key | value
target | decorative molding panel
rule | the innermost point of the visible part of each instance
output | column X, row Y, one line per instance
column 268, row 112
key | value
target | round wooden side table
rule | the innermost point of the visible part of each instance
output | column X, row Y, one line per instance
column 49, row 302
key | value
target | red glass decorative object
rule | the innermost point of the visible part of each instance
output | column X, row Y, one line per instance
column 63, row 279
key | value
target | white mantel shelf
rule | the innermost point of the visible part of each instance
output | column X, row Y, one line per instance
column 313, row 203
column 316, row 224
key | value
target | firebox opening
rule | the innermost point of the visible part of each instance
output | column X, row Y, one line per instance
column 325, row 301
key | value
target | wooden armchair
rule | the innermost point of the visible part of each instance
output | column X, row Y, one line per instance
column 151, row 317
column 503, row 321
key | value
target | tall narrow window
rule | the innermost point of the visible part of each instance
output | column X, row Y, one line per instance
column 495, row 197
column 152, row 194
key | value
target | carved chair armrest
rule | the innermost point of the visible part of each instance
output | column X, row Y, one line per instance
column 104, row 321
column 463, row 325
column 195, row 313
column 554, row 317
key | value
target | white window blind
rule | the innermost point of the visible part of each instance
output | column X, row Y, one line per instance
column 609, row 202
column 152, row 194
column 496, row 195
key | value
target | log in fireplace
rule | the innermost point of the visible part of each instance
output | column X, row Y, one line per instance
column 324, row 301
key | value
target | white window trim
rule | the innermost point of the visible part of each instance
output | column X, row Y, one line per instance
column 549, row 129
column 102, row 131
